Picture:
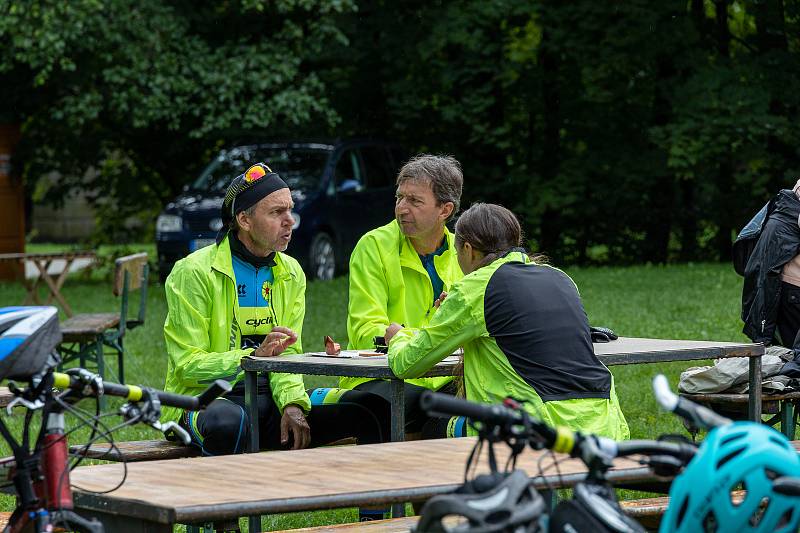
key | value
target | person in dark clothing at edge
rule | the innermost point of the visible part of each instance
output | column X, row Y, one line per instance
column 767, row 254
column 524, row 332
column 243, row 296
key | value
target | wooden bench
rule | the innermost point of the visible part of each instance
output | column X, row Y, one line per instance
column 4, row 518
column 782, row 407
column 5, row 396
column 647, row 511
column 136, row 450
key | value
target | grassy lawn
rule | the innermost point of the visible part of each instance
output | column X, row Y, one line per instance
column 681, row 302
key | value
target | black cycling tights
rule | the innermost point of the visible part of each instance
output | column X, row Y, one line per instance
column 223, row 427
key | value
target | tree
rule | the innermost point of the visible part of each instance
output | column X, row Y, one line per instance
column 124, row 100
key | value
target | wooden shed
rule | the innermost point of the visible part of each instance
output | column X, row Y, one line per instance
column 12, row 202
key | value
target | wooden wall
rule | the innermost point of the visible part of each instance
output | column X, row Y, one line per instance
column 12, row 203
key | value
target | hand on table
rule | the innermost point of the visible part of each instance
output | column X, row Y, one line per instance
column 294, row 421
column 276, row 342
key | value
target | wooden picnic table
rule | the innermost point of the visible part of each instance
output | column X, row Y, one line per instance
column 158, row 494
column 623, row 351
column 53, row 280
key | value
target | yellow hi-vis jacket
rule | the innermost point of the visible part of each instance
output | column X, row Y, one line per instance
column 389, row 284
column 202, row 327
column 534, row 362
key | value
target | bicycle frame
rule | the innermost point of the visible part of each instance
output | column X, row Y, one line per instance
column 41, row 477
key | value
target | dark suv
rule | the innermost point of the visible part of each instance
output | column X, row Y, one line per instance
column 341, row 190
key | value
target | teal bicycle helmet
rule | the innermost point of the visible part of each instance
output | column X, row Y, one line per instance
column 740, row 456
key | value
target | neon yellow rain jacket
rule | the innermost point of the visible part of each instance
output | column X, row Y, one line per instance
column 202, row 327
column 389, row 284
column 489, row 376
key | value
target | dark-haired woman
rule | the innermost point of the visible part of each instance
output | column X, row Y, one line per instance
column 523, row 328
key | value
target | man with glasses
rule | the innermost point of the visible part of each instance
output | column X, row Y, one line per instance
column 244, row 296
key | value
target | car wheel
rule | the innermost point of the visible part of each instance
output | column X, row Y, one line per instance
column 322, row 257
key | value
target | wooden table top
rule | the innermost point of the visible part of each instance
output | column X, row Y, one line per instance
column 46, row 255
column 367, row 367
column 625, row 350
column 632, row 350
column 205, row 488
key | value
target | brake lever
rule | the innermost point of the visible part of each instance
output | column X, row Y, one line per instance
column 175, row 429
column 148, row 411
column 19, row 400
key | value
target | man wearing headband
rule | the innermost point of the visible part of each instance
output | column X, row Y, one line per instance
column 243, row 296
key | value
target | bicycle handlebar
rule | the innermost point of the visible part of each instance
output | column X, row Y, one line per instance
column 594, row 451
column 135, row 393
column 560, row 439
column 697, row 415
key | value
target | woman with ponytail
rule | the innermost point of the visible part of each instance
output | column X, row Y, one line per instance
column 523, row 329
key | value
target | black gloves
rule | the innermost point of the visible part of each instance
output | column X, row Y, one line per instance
column 602, row 334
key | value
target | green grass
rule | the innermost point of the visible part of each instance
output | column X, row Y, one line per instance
column 699, row 301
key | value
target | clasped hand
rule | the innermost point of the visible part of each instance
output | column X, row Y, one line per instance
column 276, row 342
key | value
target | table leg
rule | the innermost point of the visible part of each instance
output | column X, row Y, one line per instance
column 787, row 419
column 101, row 365
column 754, row 401
column 33, row 286
column 55, row 287
column 251, row 404
column 550, row 498
column 398, row 413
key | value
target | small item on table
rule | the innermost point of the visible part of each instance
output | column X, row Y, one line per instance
column 370, row 353
column 602, row 334
column 380, row 345
column 331, row 347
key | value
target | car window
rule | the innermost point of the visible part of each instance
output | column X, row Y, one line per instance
column 347, row 176
column 301, row 168
column 377, row 167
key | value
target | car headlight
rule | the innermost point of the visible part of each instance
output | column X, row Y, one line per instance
column 169, row 223
column 296, row 220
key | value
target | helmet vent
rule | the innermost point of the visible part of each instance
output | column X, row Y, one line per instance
column 786, row 519
column 736, row 500
column 732, row 455
column 682, row 511
column 730, row 438
column 710, row 524
column 763, row 505
column 780, row 442
column 498, row 517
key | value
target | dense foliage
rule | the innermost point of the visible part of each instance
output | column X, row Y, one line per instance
column 624, row 131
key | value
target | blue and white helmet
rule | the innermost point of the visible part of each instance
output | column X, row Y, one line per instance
column 28, row 335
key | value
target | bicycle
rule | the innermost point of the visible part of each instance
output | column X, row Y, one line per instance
column 507, row 501
column 40, row 473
